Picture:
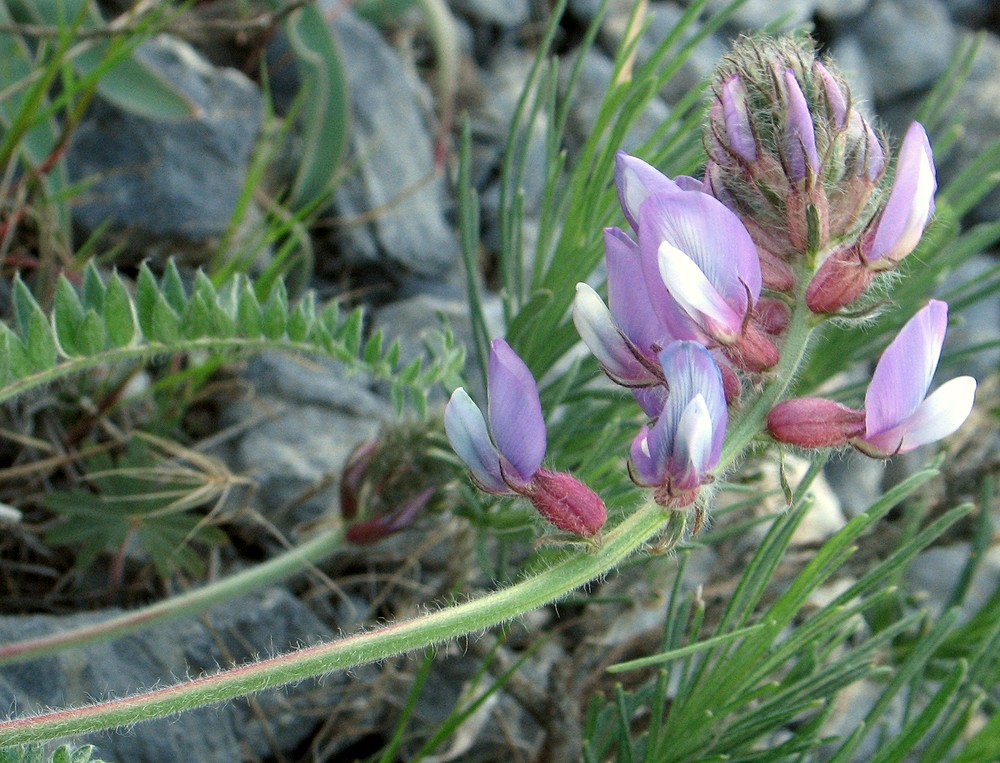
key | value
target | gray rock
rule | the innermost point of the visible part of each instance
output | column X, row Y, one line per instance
column 856, row 480
column 934, row 573
column 757, row 14
column 837, row 10
column 908, row 42
column 176, row 180
column 510, row 13
column 296, row 455
column 266, row 622
column 312, row 382
column 392, row 156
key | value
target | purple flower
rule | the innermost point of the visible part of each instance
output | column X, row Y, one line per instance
column 898, row 228
column 505, row 457
column 899, row 416
column 677, row 455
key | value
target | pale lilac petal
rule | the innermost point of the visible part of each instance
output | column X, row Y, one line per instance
column 598, row 331
column 835, row 100
column 466, row 430
column 515, row 412
column 636, row 180
column 692, row 456
column 648, row 467
column 690, row 371
column 709, row 233
column 904, row 372
column 628, row 297
column 800, row 135
column 697, row 295
column 911, row 200
column 739, row 133
column 944, row 411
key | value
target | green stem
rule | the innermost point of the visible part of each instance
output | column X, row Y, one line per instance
column 186, row 604
column 451, row 622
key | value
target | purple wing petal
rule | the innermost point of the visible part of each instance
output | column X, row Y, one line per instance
column 466, row 430
column 911, row 200
column 598, row 331
column 651, row 399
column 628, row 297
column 938, row 416
column 800, row 134
column 635, row 181
column 649, row 463
column 515, row 412
column 710, row 234
column 904, row 372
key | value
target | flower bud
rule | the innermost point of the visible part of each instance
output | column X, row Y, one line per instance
column 812, row 422
column 788, row 152
column 567, row 503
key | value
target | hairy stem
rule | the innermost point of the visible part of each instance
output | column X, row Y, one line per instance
column 452, row 622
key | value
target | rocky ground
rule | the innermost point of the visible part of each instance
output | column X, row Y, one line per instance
column 171, row 188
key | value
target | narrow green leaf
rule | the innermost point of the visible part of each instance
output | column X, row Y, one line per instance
column 324, row 104
column 410, row 373
column 276, row 312
column 67, row 317
column 40, row 342
column 24, row 305
column 119, row 314
column 298, row 324
column 197, row 318
column 249, row 318
column 90, row 334
column 147, row 293
column 165, row 323
column 373, row 348
column 350, row 332
column 93, row 288
column 203, row 285
column 221, row 323
column 13, row 355
column 173, row 287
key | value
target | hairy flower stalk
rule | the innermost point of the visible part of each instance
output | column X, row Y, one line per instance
column 505, row 457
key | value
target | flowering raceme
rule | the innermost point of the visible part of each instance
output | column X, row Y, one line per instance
column 505, row 458
column 898, row 416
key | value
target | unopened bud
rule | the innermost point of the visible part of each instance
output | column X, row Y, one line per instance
column 567, row 503
column 812, row 422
